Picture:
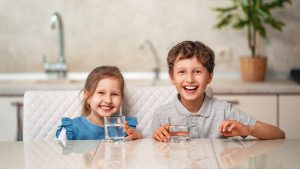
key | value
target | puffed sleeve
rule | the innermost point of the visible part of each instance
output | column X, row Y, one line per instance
column 132, row 122
column 67, row 124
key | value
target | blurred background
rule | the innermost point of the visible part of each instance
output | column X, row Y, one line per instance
column 53, row 44
column 105, row 32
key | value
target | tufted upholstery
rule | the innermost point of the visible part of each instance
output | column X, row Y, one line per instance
column 44, row 109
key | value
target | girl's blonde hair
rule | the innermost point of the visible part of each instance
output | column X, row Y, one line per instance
column 93, row 79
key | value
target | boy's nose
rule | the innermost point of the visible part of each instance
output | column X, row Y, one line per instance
column 190, row 78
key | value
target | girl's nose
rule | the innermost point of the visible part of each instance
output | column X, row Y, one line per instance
column 107, row 99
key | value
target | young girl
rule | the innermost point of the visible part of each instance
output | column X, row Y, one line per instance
column 103, row 94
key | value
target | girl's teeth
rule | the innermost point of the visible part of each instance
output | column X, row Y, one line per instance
column 106, row 107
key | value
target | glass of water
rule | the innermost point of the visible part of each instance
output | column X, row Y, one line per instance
column 179, row 133
column 114, row 128
column 179, row 129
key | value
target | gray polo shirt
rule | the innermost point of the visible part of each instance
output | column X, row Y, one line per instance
column 205, row 123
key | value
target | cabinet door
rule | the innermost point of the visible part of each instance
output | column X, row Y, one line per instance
column 8, row 118
column 289, row 115
column 261, row 107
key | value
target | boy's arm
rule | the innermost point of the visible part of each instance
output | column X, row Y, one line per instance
column 260, row 130
column 162, row 133
column 266, row 131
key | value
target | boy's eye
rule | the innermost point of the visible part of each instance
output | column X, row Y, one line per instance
column 181, row 72
column 197, row 71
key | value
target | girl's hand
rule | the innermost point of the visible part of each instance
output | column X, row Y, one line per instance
column 132, row 133
column 162, row 133
column 233, row 128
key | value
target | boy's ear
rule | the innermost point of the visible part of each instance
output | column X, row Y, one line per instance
column 171, row 78
column 210, row 77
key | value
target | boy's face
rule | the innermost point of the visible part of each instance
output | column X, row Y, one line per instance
column 190, row 78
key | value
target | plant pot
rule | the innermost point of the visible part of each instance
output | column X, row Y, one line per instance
column 253, row 69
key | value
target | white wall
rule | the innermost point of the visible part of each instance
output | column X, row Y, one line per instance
column 101, row 32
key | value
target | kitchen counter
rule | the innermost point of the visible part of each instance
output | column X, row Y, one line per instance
column 11, row 85
column 266, row 87
column 18, row 87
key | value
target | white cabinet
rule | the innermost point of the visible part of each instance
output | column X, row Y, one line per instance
column 8, row 118
column 261, row 107
column 289, row 118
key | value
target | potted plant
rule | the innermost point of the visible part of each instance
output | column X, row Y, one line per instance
column 254, row 15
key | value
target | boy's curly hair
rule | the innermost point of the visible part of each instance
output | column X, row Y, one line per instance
column 190, row 49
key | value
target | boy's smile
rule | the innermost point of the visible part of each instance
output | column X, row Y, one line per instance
column 190, row 78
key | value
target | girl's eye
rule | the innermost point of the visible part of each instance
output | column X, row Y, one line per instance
column 115, row 94
column 101, row 93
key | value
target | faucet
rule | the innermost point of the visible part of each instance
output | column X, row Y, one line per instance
column 156, row 57
column 59, row 67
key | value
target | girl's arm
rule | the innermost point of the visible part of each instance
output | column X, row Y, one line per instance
column 132, row 133
column 260, row 130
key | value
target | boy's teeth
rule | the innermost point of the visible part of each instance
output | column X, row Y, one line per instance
column 190, row 87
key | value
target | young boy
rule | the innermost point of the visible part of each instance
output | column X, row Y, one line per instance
column 191, row 67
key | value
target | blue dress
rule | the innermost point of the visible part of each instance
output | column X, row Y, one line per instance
column 81, row 129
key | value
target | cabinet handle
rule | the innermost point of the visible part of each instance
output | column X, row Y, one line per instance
column 19, row 106
column 235, row 102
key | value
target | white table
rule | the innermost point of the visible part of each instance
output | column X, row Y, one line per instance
column 147, row 153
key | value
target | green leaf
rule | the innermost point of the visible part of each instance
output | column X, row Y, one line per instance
column 262, row 32
column 276, row 3
column 224, row 21
column 244, row 3
column 240, row 24
column 226, row 9
column 257, row 26
column 277, row 24
column 262, row 13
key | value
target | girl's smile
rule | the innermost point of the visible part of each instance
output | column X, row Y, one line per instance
column 107, row 97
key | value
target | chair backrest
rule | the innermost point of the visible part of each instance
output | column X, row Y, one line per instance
column 43, row 109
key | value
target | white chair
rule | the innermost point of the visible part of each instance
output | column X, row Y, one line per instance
column 44, row 109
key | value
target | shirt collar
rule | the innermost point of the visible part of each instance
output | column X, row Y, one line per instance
column 204, row 111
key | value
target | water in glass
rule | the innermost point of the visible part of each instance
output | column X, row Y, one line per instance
column 114, row 128
column 179, row 133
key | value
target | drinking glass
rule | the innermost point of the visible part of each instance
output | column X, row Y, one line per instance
column 114, row 128
column 179, row 130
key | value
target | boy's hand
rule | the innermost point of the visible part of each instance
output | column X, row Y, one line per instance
column 233, row 128
column 132, row 133
column 162, row 133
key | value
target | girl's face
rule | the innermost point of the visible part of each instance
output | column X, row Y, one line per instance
column 190, row 78
column 107, row 97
